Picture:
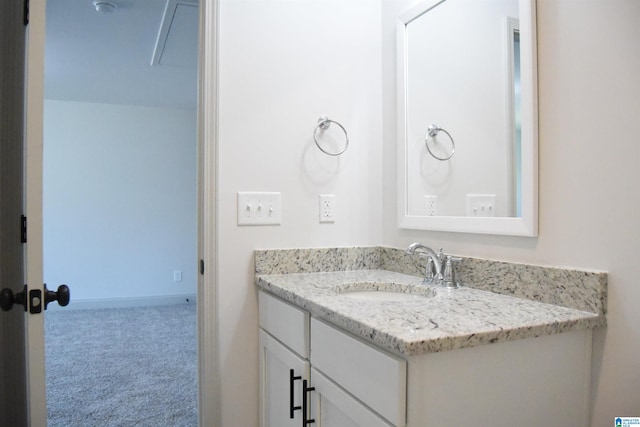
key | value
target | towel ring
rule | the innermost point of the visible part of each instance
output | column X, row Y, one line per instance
column 432, row 132
column 323, row 124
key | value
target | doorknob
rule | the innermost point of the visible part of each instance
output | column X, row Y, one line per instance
column 62, row 295
column 8, row 298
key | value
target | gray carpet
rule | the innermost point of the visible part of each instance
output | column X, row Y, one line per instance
column 122, row 367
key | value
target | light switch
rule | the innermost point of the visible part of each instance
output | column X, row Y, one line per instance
column 481, row 205
column 259, row 208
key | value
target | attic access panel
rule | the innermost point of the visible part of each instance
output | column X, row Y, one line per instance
column 177, row 42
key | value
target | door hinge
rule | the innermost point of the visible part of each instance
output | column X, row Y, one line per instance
column 26, row 12
column 202, row 267
column 23, row 229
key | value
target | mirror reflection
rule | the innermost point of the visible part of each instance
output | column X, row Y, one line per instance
column 463, row 110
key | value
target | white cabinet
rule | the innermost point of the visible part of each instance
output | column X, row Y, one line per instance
column 281, row 373
column 348, row 379
column 543, row 381
column 285, row 322
column 284, row 365
column 376, row 378
column 529, row 382
column 332, row 406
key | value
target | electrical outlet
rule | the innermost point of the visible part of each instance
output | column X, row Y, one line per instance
column 177, row 275
column 431, row 205
column 481, row 205
column 259, row 208
column 327, row 208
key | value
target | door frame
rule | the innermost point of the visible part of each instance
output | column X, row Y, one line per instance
column 34, row 105
column 208, row 364
column 208, row 387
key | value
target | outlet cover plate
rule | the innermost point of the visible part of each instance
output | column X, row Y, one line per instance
column 327, row 208
column 431, row 205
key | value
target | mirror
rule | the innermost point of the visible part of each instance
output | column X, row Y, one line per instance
column 467, row 117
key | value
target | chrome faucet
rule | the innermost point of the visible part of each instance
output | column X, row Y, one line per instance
column 434, row 262
column 444, row 272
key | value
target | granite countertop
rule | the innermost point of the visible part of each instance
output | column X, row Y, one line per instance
column 452, row 319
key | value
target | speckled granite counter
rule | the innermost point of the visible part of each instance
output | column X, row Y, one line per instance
column 450, row 320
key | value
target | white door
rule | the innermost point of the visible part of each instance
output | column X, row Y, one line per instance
column 22, row 362
column 334, row 407
column 281, row 376
column 22, row 393
column 13, row 402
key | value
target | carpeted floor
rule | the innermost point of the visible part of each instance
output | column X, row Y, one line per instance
column 122, row 367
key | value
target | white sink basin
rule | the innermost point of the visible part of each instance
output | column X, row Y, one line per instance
column 384, row 291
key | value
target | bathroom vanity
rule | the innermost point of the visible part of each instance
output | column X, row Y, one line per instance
column 361, row 345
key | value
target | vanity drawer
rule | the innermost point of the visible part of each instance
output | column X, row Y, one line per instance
column 375, row 377
column 286, row 322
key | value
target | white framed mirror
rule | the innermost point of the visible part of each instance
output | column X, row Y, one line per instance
column 467, row 117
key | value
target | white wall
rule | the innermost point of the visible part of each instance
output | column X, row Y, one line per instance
column 282, row 65
column 589, row 105
column 119, row 200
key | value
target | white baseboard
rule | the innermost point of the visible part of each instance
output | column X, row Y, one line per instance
column 125, row 302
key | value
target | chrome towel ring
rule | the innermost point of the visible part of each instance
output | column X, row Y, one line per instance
column 323, row 124
column 432, row 132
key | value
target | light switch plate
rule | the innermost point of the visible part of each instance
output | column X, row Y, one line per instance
column 261, row 208
column 481, row 205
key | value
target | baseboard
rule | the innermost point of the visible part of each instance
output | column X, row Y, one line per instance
column 125, row 302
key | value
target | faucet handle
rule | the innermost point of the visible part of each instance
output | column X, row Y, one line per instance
column 429, row 272
column 449, row 274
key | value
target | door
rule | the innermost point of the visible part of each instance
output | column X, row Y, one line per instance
column 281, row 375
column 334, row 407
column 22, row 392
column 28, row 400
column 13, row 405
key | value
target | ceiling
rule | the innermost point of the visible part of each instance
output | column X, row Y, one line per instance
column 107, row 58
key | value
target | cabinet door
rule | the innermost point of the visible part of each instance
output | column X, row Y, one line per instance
column 333, row 407
column 374, row 377
column 281, row 375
